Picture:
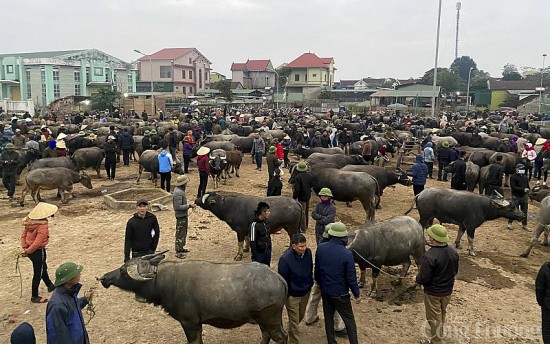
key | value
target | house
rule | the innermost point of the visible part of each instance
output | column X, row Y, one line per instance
column 502, row 89
column 255, row 74
column 180, row 70
column 415, row 94
column 215, row 77
column 49, row 75
column 309, row 75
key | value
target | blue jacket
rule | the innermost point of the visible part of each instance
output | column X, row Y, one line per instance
column 64, row 320
column 419, row 171
column 126, row 141
column 165, row 161
column 297, row 271
column 335, row 269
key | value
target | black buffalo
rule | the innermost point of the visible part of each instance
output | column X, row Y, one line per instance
column 321, row 160
column 305, row 152
column 242, row 293
column 88, row 157
column 148, row 161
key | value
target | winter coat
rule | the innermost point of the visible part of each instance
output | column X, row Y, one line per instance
column 438, row 270
column 10, row 159
column 419, row 171
column 335, row 269
column 179, row 201
column 35, row 235
column 429, row 153
column 301, row 189
column 165, row 162
column 297, row 271
column 203, row 163
column 64, row 320
column 126, row 141
column 142, row 234
column 272, row 164
column 258, row 146
column 323, row 214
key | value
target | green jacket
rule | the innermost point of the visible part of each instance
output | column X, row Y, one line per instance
column 10, row 159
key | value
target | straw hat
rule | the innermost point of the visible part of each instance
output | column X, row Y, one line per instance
column 60, row 144
column 438, row 233
column 182, row 180
column 203, row 151
column 61, row 136
column 42, row 210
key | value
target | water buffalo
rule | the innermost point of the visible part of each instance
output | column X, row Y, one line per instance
column 63, row 161
column 234, row 160
column 148, row 161
column 242, row 293
column 348, row 186
column 538, row 193
column 238, row 212
column 472, row 174
column 60, row 178
column 88, row 157
column 218, row 164
column 387, row 243
column 509, row 162
column 321, row 160
column 543, row 220
column 463, row 208
column 244, row 144
column 305, row 152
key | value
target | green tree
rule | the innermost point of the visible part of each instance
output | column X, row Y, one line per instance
column 224, row 86
column 449, row 81
column 104, row 98
column 510, row 72
column 479, row 81
column 461, row 67
column 511, row 101
column 325, row 94
column 283, row 74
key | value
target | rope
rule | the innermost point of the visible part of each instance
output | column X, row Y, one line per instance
column 374, row 266
column 18, row 270
column 90, row 308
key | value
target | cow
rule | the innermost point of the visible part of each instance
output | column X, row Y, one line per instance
column 509, row 162
column 234, row 160
column 88, row 157
column 348, row 186
column 305, row 152
column 62, row 161
column 463, row 208
column 538, row 193
column 243, row 293
column 543, row 220
column 238, row 212
column 60, row 178
column 148, row 161
column 244, row 144
column 387, row 243
column 321, row 160
column 218, row 164
column 472, row 174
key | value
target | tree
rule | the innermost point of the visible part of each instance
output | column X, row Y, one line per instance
column 510, row 72
column 449, row 81
column 284, row 73
column 325, row 94
column 511, row 101
column 461, row 67
column 479, row 81
column 104, row 98
column 224, row 86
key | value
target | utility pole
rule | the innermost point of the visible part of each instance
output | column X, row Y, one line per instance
column 458, row 5
column 436, row 56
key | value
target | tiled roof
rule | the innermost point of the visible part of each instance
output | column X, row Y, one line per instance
column 327, row 60
column 167, row 54
column 309, row 60
column 256, row 65
column 499, row 84
column 237, row 66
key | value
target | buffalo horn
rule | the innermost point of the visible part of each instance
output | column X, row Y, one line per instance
column 204, row 197
column 153, row 255
column 132, row 271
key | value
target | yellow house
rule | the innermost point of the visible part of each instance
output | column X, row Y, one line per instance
column 501, row 89
column 309, row 75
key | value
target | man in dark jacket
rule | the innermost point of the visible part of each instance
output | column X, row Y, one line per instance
column 126, row 142
column 301, row 190
column 437, row 273
column 443, row 159
column 296, row 267
column 10, row 160
column 173, row 141
column 494, row 177
column 325, row 140
column 142, row 232
column 419, row 173
column 181, row 207
column 519, row 185
column 316, row 141
column 272, row 162
column 458, row 181
column 344, row 140
column 335, row 274
column 260, row 238
column 542, row 287
column 146, row 141
column 110, row 149
column 324, row 213
column 275, row 184
column 64, row 319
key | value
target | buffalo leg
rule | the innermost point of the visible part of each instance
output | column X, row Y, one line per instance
column 536, row 235
column 139, row 172
column 23, row 195
column 405, row 269
column 246, row 244
column 362, row 277
column 271, row 325
column 98, row 171
column 374, row 285
column 193, row 333
column 470, row 233
column 506, row 180
column 461, row 231
column 239, row 255
column 237, row 172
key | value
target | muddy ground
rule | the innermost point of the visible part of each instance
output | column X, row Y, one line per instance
column 493, row 302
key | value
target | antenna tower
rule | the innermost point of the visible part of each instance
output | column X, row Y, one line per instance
column 458, row 5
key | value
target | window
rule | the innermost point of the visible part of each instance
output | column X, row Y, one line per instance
column 314, row 75
column 56, row 91
column 183, row 75
column 43, row 81
column 296, row 77
column 76, row 89
column 325, row 77
column 28, row 75
column 130, row 83
column 56, row 75
column 9, row 69
column 98, row 71
column 205, row 76
column 191, row 74
column 200, row 78
column 184, row 89
column 87, row 75
column 107, row 75
column 190, row 90
column 165, row 72
column 190, row 62
column 306, row 77
column 77, row 82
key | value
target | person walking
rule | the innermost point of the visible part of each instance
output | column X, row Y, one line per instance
column 110, row 149
column 542, row 288
column 181, row 208
column 260, row 238
column 324, row 213
column 519, row 185
column 126, row 142
column 296, row 267
column 272, row 162
column 64, row 320
column 429, row 158
column 203, row 163
column 301, row 191
column 335, row 274
column 443, row 160
column 187, row 152
column 166, row 162
column 258, row 150
column 275, row 184
column 34, row 240
column 142, row 232
column 10, row 160
column 419, row 173
column 458, row 181
column 438, row 269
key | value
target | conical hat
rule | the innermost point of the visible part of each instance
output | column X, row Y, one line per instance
column 42, row 210
column 203, row 151
column 61, row 136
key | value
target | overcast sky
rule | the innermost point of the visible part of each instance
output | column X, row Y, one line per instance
column 392, row 38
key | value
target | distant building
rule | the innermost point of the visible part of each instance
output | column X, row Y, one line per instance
column 309, row 75
column 413, row 95
column 254, row 74
column 50, row 75
column 181, row 70
column 501, row 89
column 215, row 77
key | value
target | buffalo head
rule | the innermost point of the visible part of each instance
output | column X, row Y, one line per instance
column 209, row 201
column 358, row 160
column 402, row 177
column 507, row 210
column 85, row 180
column 133, row 272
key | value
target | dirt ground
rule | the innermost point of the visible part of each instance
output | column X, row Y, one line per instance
column 493, row 302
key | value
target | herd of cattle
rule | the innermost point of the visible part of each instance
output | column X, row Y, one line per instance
column 374, row 244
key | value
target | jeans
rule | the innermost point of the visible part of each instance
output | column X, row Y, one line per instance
column 40, row 270
column 9, row 180
column 263, row 257
column 203, row 182
column 430, row 165
column 182, row 224
column 258, row 157
column 342, row 305
column 126, row 156
column 110, row 167
column 165, row 178
column 186, row 161
column 441, row 174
